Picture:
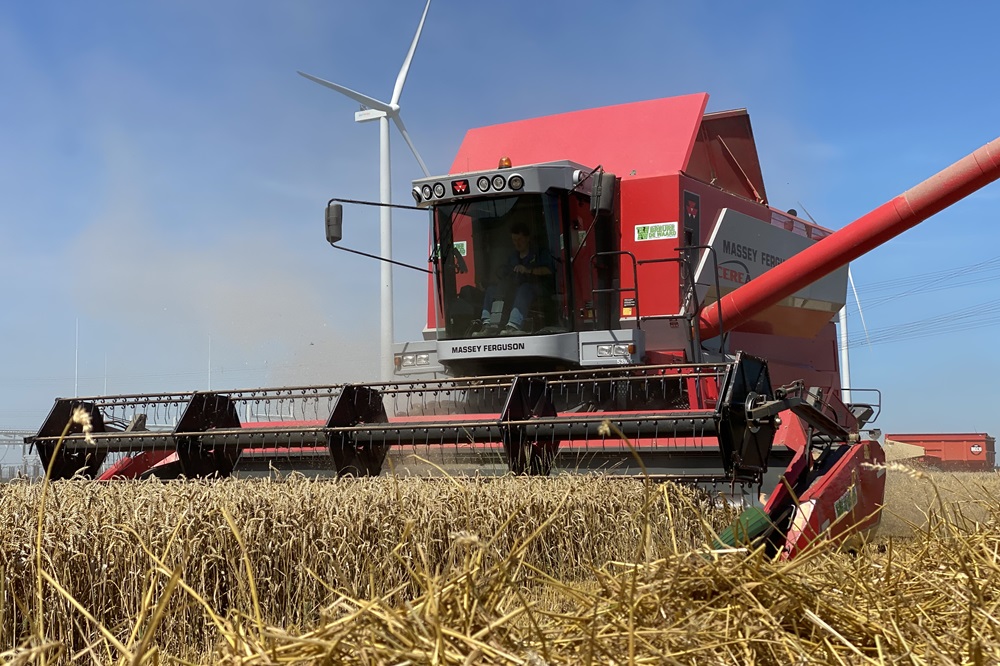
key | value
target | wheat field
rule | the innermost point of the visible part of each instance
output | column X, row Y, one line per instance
column 566, row 570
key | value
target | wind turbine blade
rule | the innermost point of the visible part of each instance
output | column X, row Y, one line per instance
column 845, row 357
column 406, row 137
column 397, row 91
column 850, row 279
column 370, row 102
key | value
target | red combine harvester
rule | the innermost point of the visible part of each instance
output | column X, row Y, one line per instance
column 609, row 290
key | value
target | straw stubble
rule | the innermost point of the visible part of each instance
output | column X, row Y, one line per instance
column 520, row 571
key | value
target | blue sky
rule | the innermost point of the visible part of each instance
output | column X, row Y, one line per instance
column 163, row 172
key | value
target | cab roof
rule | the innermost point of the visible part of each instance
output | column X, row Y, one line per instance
column 636, row 140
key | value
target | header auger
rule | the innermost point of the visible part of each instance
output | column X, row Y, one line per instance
column 609, row 290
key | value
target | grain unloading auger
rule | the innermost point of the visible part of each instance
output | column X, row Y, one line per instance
column 570, row 309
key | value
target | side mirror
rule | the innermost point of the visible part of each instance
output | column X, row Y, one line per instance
column 602, row 193
column 334, row 222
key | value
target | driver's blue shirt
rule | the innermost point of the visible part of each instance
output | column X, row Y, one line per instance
column 535, row 258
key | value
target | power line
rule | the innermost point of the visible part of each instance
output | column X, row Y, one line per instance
column 965, row 319
column 924, row 283
column 973, row 317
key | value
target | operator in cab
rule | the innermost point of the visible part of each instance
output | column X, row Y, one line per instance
column 523, row 280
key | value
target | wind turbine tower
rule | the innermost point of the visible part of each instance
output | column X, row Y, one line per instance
column 373, row 109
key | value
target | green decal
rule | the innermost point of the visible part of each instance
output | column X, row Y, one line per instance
column 846, row 502
column 659, row 231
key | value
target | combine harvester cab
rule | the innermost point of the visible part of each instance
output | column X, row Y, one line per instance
column 609, row 290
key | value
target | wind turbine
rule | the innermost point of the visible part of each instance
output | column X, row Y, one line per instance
column 373, row 109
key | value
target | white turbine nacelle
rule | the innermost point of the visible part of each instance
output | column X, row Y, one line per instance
column 373, row 109
column 366, row 115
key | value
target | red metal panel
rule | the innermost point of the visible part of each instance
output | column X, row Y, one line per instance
column 712, row 200
column 432, row 322
column 132, row 467
column 632, row 140
column 648, row 201
column 956, row 450
column 813, row 360
column 726, row 156
column 792, row 434
column 842, row 503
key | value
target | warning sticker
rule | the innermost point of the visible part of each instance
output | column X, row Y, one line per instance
column 658, row 231
column 847, row 501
